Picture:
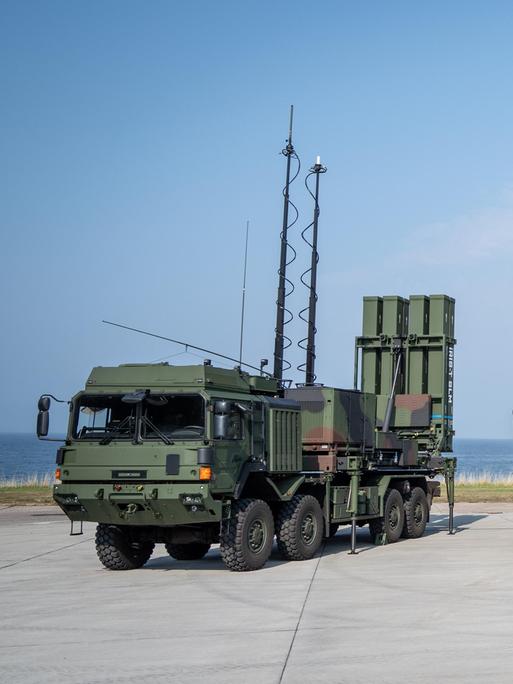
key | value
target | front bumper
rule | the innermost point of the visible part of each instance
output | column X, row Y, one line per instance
column 139, row 504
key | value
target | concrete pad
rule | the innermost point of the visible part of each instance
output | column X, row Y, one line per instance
column 437, row 608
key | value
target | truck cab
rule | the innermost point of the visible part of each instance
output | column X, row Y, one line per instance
column 160, row 453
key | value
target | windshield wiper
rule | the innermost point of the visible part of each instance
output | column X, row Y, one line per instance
column 149, row 424
column 144, row 421
column 115, row 429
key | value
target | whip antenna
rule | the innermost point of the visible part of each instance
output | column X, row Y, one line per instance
column 187, row 345
column 243, row 294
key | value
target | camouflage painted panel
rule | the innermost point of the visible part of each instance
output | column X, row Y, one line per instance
column 316, row 414
column 355, row 411
column 414, row 410
column 320, row 461
column 410, row 411
column 387, row 440
column 334, row 416
column 312, row 399
column 410, row 453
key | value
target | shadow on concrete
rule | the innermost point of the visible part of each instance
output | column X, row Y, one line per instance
column 440, row 523
column 212, row 561
column 340, row 543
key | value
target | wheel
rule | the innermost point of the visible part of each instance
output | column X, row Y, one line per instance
column 117, row 550
column 193, row 551
column 416, row 512
column 392, row 522
column 299, row 527
column 247, row 537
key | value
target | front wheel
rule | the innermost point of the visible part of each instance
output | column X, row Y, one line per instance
column 299, row 527
column 247, row 537
column 118, row 550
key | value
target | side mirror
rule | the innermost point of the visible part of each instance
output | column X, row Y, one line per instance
column 222, row 411
column 205, row 456
column 221, row 407
column 43, row 404
column 43, row 422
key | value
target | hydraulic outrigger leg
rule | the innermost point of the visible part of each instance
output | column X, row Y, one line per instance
column 353, row 499
column 449, row 470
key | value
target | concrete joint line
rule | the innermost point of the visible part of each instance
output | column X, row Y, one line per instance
column 46, row 553
column 301, row 615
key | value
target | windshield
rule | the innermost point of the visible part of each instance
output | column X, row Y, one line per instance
column 132, row 417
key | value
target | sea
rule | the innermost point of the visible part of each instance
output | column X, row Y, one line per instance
column 23, row 456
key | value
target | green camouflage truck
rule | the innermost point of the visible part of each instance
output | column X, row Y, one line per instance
column 190, row 456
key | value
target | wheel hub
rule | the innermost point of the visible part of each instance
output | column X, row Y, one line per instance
column 393, row 517
column 308, row 529
column 256, row 536
column 418, row 514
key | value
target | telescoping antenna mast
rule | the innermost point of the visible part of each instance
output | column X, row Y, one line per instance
column 243, row 294
column 281, row 341
column 309, row 365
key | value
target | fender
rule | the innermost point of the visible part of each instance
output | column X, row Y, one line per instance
column 245, row 472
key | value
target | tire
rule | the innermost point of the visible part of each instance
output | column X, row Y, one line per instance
column 193, row 551
column 247, row 537
column 416, row 514
column 116, row 550
column 299, row 527
column 392, row 523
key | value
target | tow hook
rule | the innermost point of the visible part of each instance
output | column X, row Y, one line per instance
column 133, row 508
column 129, row 510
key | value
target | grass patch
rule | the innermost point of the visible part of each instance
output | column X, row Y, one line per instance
column 482, row 492
column 25, row 496
column 29, row 490
column 484, row 487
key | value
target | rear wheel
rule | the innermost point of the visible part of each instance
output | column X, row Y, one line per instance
column 247, row 537
column 193, row 551
column 416, row 512
column 392, row 523
column 299, row 527
column 119, row 550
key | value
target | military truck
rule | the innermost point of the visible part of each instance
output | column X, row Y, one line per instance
column 190, row 456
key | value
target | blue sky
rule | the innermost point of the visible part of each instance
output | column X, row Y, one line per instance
column 137, row 139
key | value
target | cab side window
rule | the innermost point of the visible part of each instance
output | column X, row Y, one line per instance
column 235, row 426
